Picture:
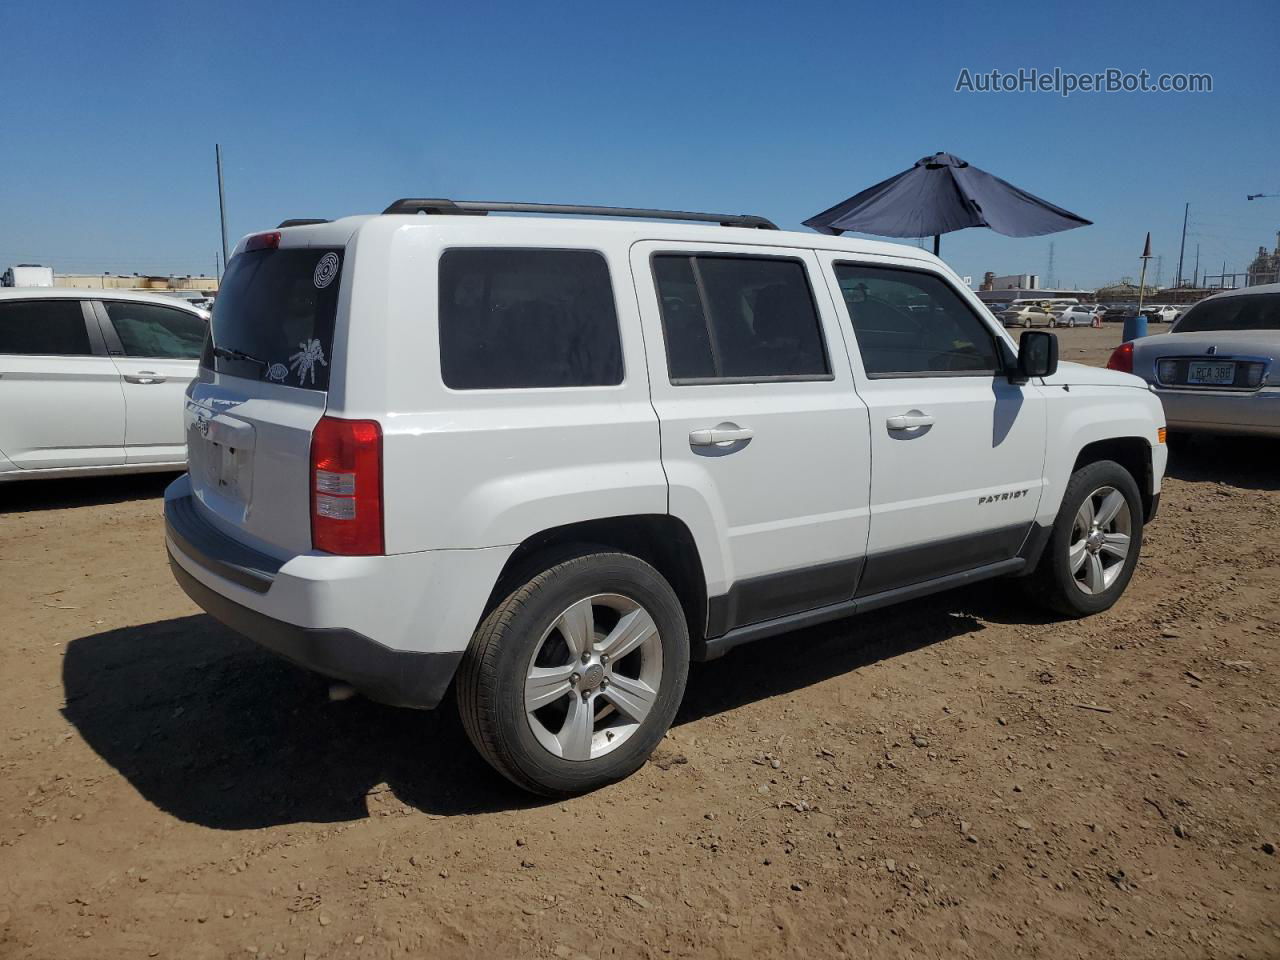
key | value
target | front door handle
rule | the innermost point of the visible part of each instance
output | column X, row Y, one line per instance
column 143, row 376
column 909, row 421
column 723, row 434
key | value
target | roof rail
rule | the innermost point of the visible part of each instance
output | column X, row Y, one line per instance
column 478, row 208
column 301, row 222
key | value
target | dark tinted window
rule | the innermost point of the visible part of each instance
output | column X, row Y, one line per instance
column 738, row 318
column 43, row 327
column 909, row 323
column 1248, row 311
column 274, row 315
column 146, row 330
column 527, row 318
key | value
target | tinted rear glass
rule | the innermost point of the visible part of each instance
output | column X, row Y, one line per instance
column 738, row 318
column 43, row 327
column 274, row 315
column 1260, row 311
column 514, row 318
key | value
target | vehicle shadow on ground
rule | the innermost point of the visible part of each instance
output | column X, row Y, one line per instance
column 32, row 495
column 216, row 731
column 1250, row 463
column 793, row 661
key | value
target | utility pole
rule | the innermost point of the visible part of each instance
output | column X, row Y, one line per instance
column 1053, row 280
column 1142, row 282
column 1195, row 280
column 1183, row 249
column 1160, row 271
column 222, row 200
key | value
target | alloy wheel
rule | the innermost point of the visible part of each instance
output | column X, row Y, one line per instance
column 594, row 677
column 1101, row 537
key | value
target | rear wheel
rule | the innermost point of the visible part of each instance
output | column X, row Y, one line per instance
column 1094, row 545
column 574, row 678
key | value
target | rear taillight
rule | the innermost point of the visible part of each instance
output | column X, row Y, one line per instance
column 346, row 487
column 1122, row 358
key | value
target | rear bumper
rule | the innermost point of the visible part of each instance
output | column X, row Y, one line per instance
column 398, row 677
column 1255, row 414
column 395, row 627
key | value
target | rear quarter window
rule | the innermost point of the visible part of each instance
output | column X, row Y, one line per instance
column 526, row 318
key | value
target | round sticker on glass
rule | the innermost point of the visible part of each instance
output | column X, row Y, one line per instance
column 326, row 270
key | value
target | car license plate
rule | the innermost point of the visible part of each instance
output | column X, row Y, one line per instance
column 1211, row 374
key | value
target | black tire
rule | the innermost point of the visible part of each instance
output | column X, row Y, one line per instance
column 1053, row 584
column 491, row 679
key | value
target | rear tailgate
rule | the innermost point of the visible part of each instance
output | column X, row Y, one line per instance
column 262, row 388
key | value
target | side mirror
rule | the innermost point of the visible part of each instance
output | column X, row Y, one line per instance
column 1037, row 354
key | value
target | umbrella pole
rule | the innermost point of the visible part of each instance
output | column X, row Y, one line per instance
column 937, row 243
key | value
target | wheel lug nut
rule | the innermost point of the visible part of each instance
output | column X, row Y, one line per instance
column 586, row 658
column 604, row 682
column 574, row 679
column 604, row 658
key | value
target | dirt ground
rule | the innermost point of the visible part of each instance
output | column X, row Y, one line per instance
column 959, row 778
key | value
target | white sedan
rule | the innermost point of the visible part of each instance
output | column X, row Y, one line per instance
column 92, row 381
column 1075, row 315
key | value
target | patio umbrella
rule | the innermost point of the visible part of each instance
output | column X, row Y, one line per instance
column 939, row 194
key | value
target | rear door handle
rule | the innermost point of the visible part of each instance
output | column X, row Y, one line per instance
column 143, row 376
column 909, row 421
column 725, row 433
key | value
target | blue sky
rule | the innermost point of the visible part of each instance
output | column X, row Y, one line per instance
column 782, row 109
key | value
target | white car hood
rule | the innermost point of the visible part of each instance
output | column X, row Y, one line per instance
column 1081, row 375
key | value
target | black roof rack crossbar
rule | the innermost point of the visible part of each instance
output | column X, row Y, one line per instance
column 301, row 222
column 482, row 207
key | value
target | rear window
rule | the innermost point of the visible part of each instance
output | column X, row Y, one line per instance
column 274, row 315
column 516, row 318
column 1258, row 311
column 53, row 327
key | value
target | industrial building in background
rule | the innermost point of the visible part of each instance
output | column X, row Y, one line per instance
column 199, row 291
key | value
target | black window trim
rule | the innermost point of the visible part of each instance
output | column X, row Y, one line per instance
column 617, row 319
column 695, row 252
column 97, row 349
column 114, row 346
column 1000, row 371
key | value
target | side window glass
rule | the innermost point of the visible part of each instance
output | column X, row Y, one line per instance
column 523, row 318
column 53, row 327
column 148, row 330
column 738, row 318
column 911, row 323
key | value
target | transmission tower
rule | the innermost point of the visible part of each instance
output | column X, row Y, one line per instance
column 1050, row 280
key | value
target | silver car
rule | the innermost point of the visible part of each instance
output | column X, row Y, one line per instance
column 1216, row 370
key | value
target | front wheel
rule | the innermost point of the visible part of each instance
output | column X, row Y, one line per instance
column 1094, row 546
column 573, row 679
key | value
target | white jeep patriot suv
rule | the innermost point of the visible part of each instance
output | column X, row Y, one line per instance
column 546, row 461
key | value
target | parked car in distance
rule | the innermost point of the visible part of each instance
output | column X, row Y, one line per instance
column 1215, row 371
column 549, row 460
column 93, row 381
column 1161, row 313
column 1075, row 315
column 1026, row 315
column 1117, row 313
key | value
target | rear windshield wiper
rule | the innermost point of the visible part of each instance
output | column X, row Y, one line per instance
column 227, row 353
